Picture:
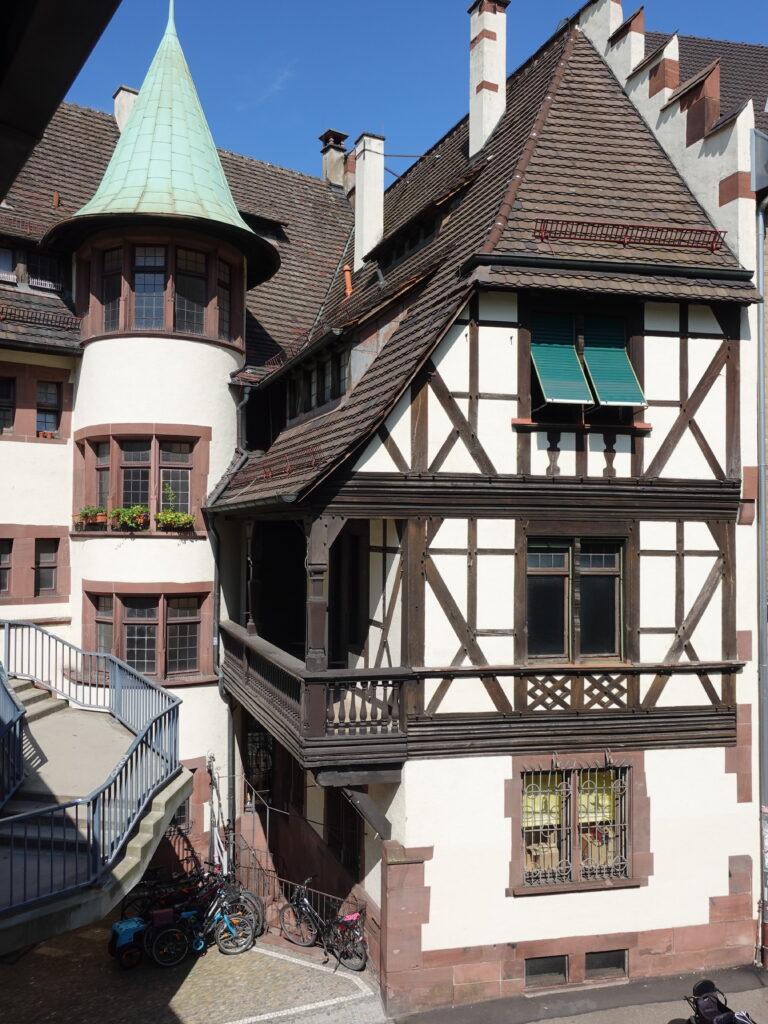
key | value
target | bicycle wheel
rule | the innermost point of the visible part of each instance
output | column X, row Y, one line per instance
column 297, row 926
column 349, row 948
column 136, row 905
column 255, row 905
column 234, row 934
column 170, row 946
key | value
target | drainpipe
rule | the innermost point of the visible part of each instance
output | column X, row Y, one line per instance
column 762, row 586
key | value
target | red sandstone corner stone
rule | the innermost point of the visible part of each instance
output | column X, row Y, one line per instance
column 656, row 942
column 407, row 907
column 511, row 988
column 730, row 908
column 734, row 956
column 465, row 974
column 398, row 1002
column 404, row 876
column 477, row 993
column 740, row 933
column 427, row 977
column 702, row 937
column 463, row 955
column 512, row 970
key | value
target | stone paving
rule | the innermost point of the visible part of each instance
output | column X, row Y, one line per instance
column 72, row 979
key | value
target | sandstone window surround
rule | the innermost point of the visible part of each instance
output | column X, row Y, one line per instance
column 178, row 284
column 35, row 403
column 157, row 465
column 34, row 565
column 163, row 630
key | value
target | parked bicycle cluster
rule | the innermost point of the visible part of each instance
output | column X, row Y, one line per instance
column 166, row 919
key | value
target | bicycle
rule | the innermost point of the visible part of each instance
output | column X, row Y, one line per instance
column 343, row 937
column 228, row 925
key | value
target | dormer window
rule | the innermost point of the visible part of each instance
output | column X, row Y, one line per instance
column 7, row 267
column 312, row 387
column 162, row 286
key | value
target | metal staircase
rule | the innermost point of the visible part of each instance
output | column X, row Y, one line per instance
column 89, row 780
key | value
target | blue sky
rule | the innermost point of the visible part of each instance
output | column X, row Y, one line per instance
column 273, row 74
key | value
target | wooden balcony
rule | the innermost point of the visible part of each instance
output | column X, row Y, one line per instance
column 359, row 717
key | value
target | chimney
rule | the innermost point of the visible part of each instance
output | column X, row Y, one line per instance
column 369, row 194
column 349, row 175
column 124, row 99
column 487, row 69
column 334, row 156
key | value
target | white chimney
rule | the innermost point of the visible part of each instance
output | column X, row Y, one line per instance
column 487, row 69
column 369, row 194
column 124, row 99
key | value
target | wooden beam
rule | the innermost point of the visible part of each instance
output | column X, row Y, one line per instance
column 317, row 599
column 460, row 423
column 419, row 424
column 392, row 449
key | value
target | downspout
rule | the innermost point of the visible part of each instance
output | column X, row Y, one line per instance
column 216, row 546
column 762, row 585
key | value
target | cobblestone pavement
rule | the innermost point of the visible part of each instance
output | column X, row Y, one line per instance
column 72, row 979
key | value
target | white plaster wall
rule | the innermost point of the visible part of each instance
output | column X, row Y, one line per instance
column 675, row 896
column 160, row 380
column 384, row 569
column 495, row 592
column 36, row 483
column 498, row 360
column 657, row 592
column 498, row 305
column 451, row 358
column 494, row 419
column 662, row 376
column 203, row 724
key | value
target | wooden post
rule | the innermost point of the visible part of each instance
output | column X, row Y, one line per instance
column 250, row 622
column 413, row 609
column 317, row 595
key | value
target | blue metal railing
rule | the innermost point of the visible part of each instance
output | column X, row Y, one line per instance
column 11, row 739
column 63, row 847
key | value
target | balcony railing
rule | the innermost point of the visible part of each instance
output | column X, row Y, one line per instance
column 75, row 844
column 382, row 713
column 11, row 739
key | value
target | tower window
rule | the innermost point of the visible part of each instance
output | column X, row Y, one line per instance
column 149, row 287
column 191, row 291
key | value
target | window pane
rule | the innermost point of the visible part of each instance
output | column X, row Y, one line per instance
column 7, row 401
column 7, row 265
column 140, row 607
column 47, row 395
column 546, row 615
column 135, row 487
column 602, row 809
column 44, row 271
column 190, row 304
column 598, row 614
column 188, row 259
column 149, row 301
column 599, row 556
column 546, row 827
column 182, row 646
column 5, row 551
column 47, row 421
column 46, row 579
column 113, row 284
column 113, row 261
column 135, row 451
column 175, row 489
column 176, row 451
column 225, row 311
column 150, row 255
column 5, row 577
column 101, row 448
column 182, row 607
column 225, row 272
column 102, row 497
column 104, row 605
column 141, row 647
column 547, row 558
column 104, row 632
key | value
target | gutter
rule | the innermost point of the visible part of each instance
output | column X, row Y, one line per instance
column 574, row 266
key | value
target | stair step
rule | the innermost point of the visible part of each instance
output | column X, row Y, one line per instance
column 32, row 696
column 45, row 708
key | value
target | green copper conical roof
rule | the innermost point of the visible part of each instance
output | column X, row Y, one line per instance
column 166, row 164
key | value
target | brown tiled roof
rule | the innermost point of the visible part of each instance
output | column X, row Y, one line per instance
column 37, row 320
column 593, row 157
column 743, row 70
column 308, row 220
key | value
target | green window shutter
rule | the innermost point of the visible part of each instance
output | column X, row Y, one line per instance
column 554, row 358
column 605, row 353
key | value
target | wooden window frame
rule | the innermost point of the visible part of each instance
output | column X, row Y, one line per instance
column 6, row 566
column 162, row 593
column 43, row 593
column 46, row 408
column 26, row 377
column 23, row 576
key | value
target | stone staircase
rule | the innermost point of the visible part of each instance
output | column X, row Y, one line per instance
column 68, row 753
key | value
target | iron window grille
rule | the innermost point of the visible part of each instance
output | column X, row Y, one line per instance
column 6, row 548
column 46, row 557
column 7, row 402
column 48, row 407
column 575, row 825
column 575, row 599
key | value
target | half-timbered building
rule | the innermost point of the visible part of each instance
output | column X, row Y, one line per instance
column 499, row 587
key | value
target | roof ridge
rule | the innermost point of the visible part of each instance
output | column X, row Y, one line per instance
column 712, row 39
column 277, row 167
column 88, row 110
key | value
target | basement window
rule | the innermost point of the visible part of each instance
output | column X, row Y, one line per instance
column 543, row 971
column 611, row 963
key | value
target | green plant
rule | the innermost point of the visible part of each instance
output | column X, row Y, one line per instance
column 135, row 517
column 170, row 519
column 169, row 498
column 88, row 513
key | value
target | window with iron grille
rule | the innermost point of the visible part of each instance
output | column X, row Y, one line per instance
column 44, row 271
column 112, row 286
column 575, row 825
column 149, row 287
column 7, row 266
column 574, row 599
column 48, row 406
column 6, row 547
column 46, row 556
column 136, row 461
column 7, row 402
column 191, row 291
